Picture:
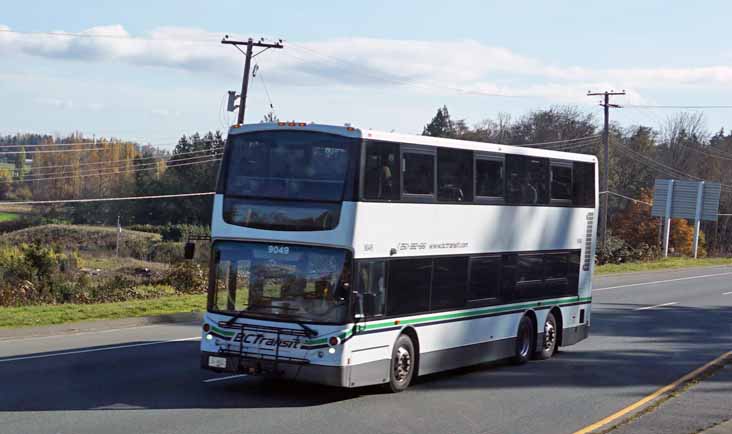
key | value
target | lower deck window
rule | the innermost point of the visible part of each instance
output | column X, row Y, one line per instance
column 449, row 283
column 409, row 286
column 485, row 278
column 420, row 285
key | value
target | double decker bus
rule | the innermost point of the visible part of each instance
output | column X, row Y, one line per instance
column 353, row 257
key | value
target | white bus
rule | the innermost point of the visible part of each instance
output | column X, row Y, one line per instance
column 352, row 257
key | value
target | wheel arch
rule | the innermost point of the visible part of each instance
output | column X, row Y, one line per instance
column 532, row 316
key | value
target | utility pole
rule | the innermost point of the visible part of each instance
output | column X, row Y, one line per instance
column 248, row 56
column 606, row 153
column 119, row 232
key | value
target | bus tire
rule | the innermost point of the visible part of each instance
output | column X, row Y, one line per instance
column 549, row 344
column 401, row 370
column 525, row 338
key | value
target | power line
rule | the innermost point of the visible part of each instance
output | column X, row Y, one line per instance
column 213, row 40
column 664, row 168
column 135, row 159
column 594, row 136
column 359, row 69
column 660, row 167
column 106, row 199
column 48, row 145
column 52, row 151
column 691, row 107
column 264, row 85
column 111, row 173
column 115, row 170
column 626, row 197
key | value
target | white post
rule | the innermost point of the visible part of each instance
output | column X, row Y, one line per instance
column 667, row 217
column 697, row 216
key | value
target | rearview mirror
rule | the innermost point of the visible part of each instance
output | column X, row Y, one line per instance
column 189, row 250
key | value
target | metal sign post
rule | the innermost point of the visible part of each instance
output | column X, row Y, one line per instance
column 667, row 218
column 697, row 217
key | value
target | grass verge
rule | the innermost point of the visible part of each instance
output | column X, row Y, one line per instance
column 661, row 264
column 51, row 314
column 8, row 216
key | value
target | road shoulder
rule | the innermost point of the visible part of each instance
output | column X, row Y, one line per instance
column 99, row 325
column 697, row 405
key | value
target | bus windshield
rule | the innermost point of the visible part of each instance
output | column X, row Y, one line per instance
column 285, row 282
column 293, row 165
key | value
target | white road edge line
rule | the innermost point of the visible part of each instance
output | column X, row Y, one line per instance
column 727, row 293
column 211, row 380
column 80, row 333
column 658, row 305
column 93, row 350
column 661, row 281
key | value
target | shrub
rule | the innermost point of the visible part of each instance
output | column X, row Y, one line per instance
column 172, row 232
column 166, row 251
column 619, row 251
column 187, row 277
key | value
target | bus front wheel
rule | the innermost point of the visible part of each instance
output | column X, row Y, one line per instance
column 524, row 341
column 402, row 364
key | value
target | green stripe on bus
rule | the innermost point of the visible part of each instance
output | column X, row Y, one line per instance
column 453, row 315
column 223, row 332
column 468, row 314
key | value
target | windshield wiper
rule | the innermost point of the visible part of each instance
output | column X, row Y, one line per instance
column 242, row 312
column 308, row 331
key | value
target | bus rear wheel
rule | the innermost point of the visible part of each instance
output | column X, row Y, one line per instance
column 524, row 341
column 549, row 345
column 402, row 364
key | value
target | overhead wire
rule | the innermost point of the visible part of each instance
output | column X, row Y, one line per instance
column 85, row 175
column 109, row 36
column 663, row 168
column 359, row 69
column 626, row 197
column 116, row 169
column 137, row 159
column 594, row 136
column 106, row 199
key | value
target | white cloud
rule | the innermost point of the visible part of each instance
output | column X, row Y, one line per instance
column 58, row 103
column 435, row 67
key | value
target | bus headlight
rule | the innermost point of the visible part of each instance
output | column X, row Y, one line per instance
column 334, row 340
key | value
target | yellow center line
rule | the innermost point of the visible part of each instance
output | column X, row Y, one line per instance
column 670, row 387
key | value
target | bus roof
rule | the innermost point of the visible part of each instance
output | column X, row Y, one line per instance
column 349, row 131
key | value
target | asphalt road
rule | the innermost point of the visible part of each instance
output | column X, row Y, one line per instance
column 647, row 330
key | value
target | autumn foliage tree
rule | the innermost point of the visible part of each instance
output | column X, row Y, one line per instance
column 636, row 227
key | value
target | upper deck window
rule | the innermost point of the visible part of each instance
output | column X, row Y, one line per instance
column 419, row 173
column 290, row 165
column 454, row 175
column 381, row 177
column 528, row 180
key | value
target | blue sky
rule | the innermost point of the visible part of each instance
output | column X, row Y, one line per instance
column 377, row 64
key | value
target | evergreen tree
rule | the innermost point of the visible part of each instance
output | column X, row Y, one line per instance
column 441, row 125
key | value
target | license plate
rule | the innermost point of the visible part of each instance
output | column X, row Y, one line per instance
column 217, row 362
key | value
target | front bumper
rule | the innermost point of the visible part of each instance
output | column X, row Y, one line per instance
column 286, row 369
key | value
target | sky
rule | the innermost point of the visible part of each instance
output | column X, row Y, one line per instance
column 151, row 71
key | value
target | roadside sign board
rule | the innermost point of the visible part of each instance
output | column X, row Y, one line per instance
column 693, row 200
column 684, row 198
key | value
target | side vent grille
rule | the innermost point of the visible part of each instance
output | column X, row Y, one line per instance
column 589, row 253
